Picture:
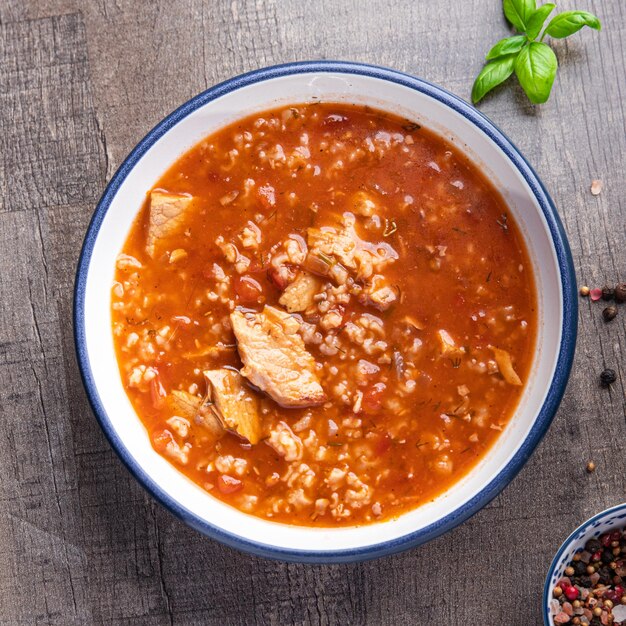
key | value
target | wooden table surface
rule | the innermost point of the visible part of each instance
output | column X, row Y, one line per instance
column 80, row 83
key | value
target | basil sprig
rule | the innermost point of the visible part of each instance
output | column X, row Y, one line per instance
column 533, row 62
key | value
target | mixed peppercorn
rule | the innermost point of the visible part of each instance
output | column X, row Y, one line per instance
column 593, row 590
column 608, row 294
column 608, row 377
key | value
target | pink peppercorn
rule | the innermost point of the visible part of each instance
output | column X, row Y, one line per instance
column 571, row 593
column 595, row 294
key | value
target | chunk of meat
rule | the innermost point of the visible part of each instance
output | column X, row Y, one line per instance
column 329, row 246
column 298, row 296
column 328, row 242
column 379, row 293
column 275, row 358
column 448, row 345
column 234, row 404
column 167, row 215
column 196, row 411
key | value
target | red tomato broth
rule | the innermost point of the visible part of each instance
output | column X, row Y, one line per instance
column 461, row 263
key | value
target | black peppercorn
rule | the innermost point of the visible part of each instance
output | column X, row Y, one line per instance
column 593, row 545
column 606, row 575
column 620, row 292
column 608, row 293
column 585, row 581
column 609, row 313
column 607, row 556
column 608, row 377
column 580, row 569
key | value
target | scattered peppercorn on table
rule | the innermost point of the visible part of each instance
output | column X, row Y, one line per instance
column 81, row 543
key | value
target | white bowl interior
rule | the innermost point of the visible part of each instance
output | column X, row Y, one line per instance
column 331, row 87
column 606, row 521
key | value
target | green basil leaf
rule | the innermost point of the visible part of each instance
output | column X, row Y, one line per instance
column 535, row 67
column 537, row 19
column 569, row 22
column 510, row 45
column 518, row 12
column 492, row 75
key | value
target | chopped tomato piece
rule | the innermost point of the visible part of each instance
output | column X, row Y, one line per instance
column 278, row 279
column 161, row 439
column 248, row 289
column 383, row 444
column 373, row 398
column 227, row 484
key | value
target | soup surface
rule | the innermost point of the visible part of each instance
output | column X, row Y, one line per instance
column 324, row 315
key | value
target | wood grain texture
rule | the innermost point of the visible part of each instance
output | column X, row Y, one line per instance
column 80, row 84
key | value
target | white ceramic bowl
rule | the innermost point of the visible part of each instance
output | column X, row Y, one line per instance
column 399, row 93
column 608, row 520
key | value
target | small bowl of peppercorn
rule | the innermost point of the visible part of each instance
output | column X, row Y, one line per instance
column 586, row 582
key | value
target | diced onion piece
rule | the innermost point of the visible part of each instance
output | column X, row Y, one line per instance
column 398, row 363
column 319, row 264
column 178, row 255
column 448, row 345
column 409, row 320
column 228, row 198
column 157, row 392
column 505, row 365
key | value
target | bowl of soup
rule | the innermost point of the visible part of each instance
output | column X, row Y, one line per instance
column 325, row 311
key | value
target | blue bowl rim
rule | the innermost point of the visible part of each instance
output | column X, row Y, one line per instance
column 547, row 588
column 557, row 386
